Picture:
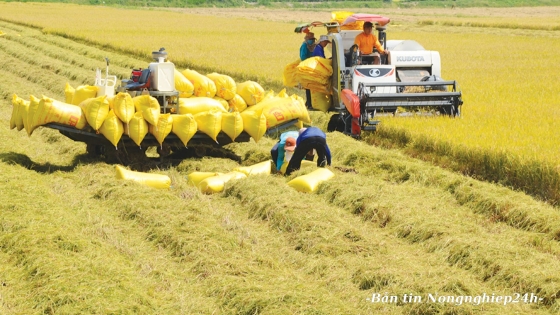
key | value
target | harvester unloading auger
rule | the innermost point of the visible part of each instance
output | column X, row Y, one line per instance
column 409, row 77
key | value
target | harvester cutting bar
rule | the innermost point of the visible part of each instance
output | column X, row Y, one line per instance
column 390, row 96
column 412, row 99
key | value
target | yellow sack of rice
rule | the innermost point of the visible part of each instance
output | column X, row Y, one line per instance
column 310, row 182
column 224, row 103
column 21, row 121
column 195, row 105
column 305, row 164
column 69, row 93
column 315, row 69
column 185, row 127
column 29, row 116
column 152, row 180
column 53, row 111
column 318, row 87
column 340, row 16
column 255, row 169
column 195, row 178
column 110, row 100
column 20, row 105
column 289, row 76
column 203, row 86
column 15, row 111
column 112, row 128
column 216, row 184
column 183, row 85
column 321, row 101
column 356, row 26
column 237, row 103
column 151, row 115
column 210, row 123
column 163, row 127
column 96, row 110
column 304, row 113
column 124, row 108
column 83, row 92
column 137, row 128
column 254, row 123
column 251, row 91
column 269, row 96
column 256, row 109
column 225, row 85
column 280, row 110
column 282, row 93
column 232, row 124
column 148, row 106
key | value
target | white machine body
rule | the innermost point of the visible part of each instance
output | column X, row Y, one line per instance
column 105, row 86
column 163, row 76
column 407, row 61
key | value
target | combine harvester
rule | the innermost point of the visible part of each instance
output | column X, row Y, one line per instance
column 157, row 81
column 408, row 78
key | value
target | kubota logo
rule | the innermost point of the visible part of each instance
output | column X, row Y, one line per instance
column 410, row 58
column 374, row 72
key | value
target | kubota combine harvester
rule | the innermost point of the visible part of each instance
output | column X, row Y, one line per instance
column 407, row 78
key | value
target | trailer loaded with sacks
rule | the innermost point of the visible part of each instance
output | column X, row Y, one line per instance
column 179, row 112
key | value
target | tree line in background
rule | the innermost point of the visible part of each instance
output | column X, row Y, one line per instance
column 310, row 3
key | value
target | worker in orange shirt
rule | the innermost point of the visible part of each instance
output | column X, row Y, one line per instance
column 366, row 41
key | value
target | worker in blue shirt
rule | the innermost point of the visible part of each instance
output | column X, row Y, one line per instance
column 310, row 138
column 306, row 51
column 319, row 50
column 287, row 143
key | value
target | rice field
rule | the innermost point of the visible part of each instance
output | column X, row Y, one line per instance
column 74, row 240
column 501, row 59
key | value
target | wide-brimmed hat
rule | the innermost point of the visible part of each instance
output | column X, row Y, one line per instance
column 290, row 144
column 324, row 38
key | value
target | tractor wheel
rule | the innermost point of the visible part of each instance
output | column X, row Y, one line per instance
column 335, row 123
column 126, row 155
column 94, row 150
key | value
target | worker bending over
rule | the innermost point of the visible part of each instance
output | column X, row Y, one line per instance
column 309, row 139
column 283, row 149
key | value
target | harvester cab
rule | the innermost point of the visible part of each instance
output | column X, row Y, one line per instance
column 407, row 79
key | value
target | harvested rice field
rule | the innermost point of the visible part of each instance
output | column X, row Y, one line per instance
column 393, row 232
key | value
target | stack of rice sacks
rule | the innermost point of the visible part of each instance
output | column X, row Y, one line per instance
column 218, row 103
column 209, row 104
column 313, row 74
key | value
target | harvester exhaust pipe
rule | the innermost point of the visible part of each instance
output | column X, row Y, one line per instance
column 382, row 36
